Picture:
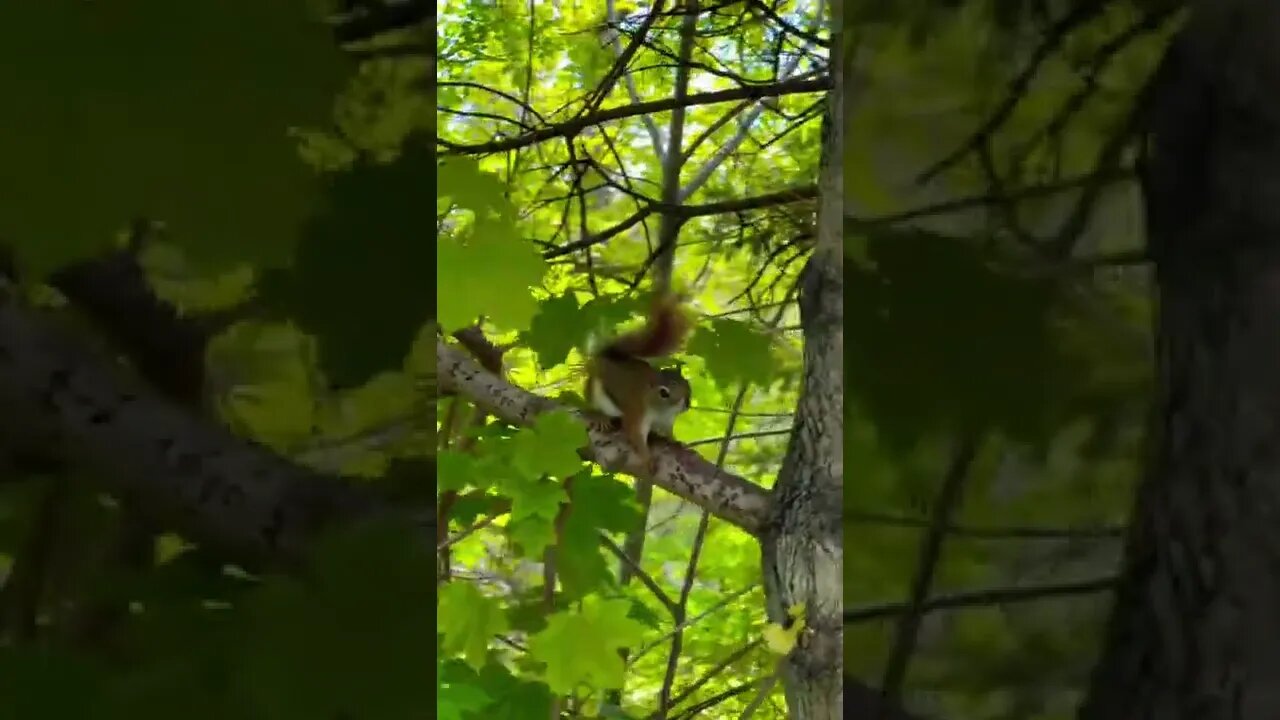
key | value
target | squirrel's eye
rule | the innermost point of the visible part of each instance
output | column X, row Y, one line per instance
column 663, row 392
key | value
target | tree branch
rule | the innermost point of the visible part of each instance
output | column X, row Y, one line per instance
column 977, row 598
column 1082, row 13
column 573, row 127
column 678, row 469
column 63, row 397
column 949, row 498
column 376, row 18
column 756, row 202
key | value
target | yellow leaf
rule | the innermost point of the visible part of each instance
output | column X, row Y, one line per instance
column 781, row 640
column 778, row 639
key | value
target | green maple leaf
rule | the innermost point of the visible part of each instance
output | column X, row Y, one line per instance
column 491, row 274
column 581, row 648
column 494, row 468
column 537, row 499
column 459, row 689
column 367, row 602
column 556, row 329
column 183, row 116
column 947, row 339
column 550, row 446
column 734, row 353
column 363, row 256
column 533, row 533
column 456, row 701
column 469, row 619
column 604, row 502
column 488, row 270
column 561, row 324
column 454, row 470
column 603, row 314
column 460, row 179
column 517, row 699
column 582, row 565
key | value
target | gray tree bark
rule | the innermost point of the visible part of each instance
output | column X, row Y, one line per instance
column 63, row 397
column 803, row 546
column 1195, row 632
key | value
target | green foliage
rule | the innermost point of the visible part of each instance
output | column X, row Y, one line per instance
column 49, row 683
column 493, row 692
column 277, row 186
column 353, row 634
column 357, row 635
column 556, row 329
column 515, row 478
column 604, row 502
column 467, row 620
column 366, row 254
column 550, row 446
column 735, row 353
column 937, row 340
column 580, row 649
column 488, row 242
column 146, row 119
column 457, row 699
column 949, row 328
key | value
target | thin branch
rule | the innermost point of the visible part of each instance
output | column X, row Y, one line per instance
column 740, row 436
column 518, row 102
column 686, row 211
column 776, row 19
column 1098, row 64
column 655, row 136
column 673, row 160
column 378, row 18
column 1054, row 37
column 468, row 532
column 703, row 705
column 677, row 641
column 994, row 533
column 972, row 202
column 711, row 674
column 979, row 598
column 721, row 603
column 634, row 570
column 949, row 497
column 619, row 67
column 577, row 125
column 1109, row 158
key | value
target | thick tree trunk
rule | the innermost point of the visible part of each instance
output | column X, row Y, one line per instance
column 1195, row 633
column 803, row 546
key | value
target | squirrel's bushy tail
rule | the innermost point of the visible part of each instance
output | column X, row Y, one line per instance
column 663, row 333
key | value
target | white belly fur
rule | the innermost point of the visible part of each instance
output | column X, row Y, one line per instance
column 664, row 422
column 600, row 399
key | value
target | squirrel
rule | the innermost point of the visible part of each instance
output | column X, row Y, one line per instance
column 622, row 384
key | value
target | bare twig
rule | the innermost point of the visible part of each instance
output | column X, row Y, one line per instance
column 677, row 641
column 1054, row 37
column 577, row 125
column 949, row 497
column 978, row 598
column 995, row 533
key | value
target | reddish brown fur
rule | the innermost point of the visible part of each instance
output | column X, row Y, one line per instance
column 627, row 377
column 662, row 334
